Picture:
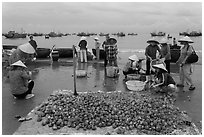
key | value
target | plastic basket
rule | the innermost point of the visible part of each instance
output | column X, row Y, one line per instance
column 135, row 85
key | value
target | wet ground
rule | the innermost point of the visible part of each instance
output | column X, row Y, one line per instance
column 49, row 77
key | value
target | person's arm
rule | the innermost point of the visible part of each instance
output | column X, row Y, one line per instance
column 26, row 75
column 146, row 53
column 168, row 52
column 159, row 84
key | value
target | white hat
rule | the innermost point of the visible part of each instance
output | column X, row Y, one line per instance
column 185, row 39
column 152, row 40
column 19, row 63
column 96, row 38
column 134, row 58
column 83, row 38
column 163, row 41
column 27, row 48
column 160, row 66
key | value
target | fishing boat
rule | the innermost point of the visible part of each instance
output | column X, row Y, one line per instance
column 132, row 34
column 158, row 34
column 103, row 34
column 13, row 35
column 42, row 52
column 47, row 36
column 191, row 34
column 9, row 46
column 65, row 52
column 101, row 54
column 175, row 53
column 53, row 34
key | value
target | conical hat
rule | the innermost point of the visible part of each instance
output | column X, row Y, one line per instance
column 160, row 66
column 83, row 38
column 27, row 48
column 185, row 39
column 19, row 63
column 134, row 58
column 96, row 38
column 163, row 41
column 152, row 40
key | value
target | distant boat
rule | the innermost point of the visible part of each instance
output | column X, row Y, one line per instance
column 132, row 34
column 103, row 34
column 158, row 34
column 53, row 34
column 191, row 34
column 13, row 34
column 83, row 34
column 47, row 36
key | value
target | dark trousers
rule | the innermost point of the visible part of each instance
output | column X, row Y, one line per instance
column 167, row 62
column 29, row 91
column 147, row 67
column 105, row 60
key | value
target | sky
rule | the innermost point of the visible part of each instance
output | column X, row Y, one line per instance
column 106, row 17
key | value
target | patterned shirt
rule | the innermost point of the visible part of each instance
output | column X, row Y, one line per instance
column 111, row 52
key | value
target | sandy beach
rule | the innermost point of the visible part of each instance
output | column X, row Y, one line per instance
column 59, row 75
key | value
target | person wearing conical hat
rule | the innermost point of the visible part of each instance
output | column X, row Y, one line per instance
column 23, row 53
column 21, row 84
column 83, row 49
column 165, row 53
column 185, row 68
column 151, row 52
column 97, row 47
column 163, row 80
column 133, row 66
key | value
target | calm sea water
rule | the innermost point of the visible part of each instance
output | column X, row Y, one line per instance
column 125, row 44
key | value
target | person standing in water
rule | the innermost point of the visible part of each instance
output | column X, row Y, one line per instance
column 83, row 49
column 97, row 47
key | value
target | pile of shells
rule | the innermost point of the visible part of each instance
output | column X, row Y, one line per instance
column 120, row 110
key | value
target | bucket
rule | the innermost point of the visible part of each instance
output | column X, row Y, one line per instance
column 55, row 55
column 81, row 73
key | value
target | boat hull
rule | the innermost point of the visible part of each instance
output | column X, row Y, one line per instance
column 9, row 36
column 102, row 53
column 42, row 52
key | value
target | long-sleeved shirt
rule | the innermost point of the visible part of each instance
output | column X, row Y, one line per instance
column 18, row 81
column 185, row 51
column 165, row 52
column 151, row 51
column 82, row 44
column 33, row 44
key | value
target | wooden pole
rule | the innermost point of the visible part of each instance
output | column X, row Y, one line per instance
column 74, row 69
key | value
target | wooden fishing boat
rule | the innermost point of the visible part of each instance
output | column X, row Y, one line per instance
column 42, row 52
column 65, row 52
column 102, row 53
column 175, row 53
column 9, row 46
column 158, row 34
column 13, row 34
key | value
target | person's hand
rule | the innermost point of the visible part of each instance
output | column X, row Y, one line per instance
column 162, row 59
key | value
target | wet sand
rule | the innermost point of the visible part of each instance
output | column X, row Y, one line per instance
column 58, row 75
